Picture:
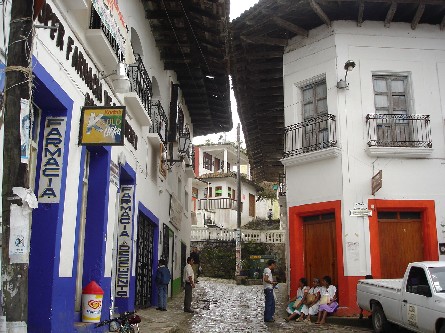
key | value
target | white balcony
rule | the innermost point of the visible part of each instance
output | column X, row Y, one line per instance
column 256, row 236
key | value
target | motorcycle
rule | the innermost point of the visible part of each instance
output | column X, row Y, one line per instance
column 125, row 323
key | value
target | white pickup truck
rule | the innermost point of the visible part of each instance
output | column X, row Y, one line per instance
column 416, row 302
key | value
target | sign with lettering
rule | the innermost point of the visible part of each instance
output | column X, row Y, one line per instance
column 360, row 210
column 162, row 161
column 175, row 212
column 114, row 174
column 124, row 241
column 412, row 315
column 112, row 18
column 52, row 160
column 102, row 125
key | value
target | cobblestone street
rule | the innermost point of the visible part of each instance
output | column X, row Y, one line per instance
column 222, row 306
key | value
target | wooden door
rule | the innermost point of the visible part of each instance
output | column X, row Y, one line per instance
column 252, row 205
column 320, row 250
column 400, row 242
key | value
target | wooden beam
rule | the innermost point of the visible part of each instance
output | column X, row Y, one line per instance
column 321, row 14
column 361, row 10
column 426, row 2
column 390, row 14
column 264, row 40
column 290, row 26
column 418, row 16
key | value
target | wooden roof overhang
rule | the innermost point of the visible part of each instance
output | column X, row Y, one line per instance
column 192, row 37
column 258, row 38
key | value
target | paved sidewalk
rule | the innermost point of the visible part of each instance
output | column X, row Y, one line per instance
column 154, row 321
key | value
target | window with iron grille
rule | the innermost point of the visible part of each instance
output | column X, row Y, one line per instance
column 391, row 102
column 315, row 104
column 314, row 99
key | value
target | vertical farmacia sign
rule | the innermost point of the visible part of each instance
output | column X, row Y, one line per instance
column 124, row 240
column 52, row 160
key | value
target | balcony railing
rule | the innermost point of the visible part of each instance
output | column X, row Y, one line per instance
column 140, row 82
column 96, row 23
column 399, row 130
column 311, row 135
column 256, row 236
column 159, row 121
column 220, row 203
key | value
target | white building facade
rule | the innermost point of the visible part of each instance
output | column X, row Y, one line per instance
column 364, row 156
column 215, row 198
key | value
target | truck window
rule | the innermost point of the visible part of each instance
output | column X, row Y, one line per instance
column 438, row 277
column 417, row 281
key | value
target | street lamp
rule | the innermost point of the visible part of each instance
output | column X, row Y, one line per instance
column 184, row 143
column 349, row 66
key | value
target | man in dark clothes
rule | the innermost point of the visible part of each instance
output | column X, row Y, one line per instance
column 163, row 278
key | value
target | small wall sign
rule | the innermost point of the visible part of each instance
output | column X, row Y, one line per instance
column 102, row 126
column 360, row 209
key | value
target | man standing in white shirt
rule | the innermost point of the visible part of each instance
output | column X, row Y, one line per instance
column 269, row 284
column 189, row 284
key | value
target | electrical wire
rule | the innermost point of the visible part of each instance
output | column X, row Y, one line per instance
column 179, row 44
column 199, row 47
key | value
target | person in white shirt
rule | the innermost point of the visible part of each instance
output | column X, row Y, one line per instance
column 310, row 308
column 269, row 284
column 328, row 300
column 189, row 284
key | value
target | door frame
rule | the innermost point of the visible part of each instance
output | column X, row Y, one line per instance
column 428, row 217
column 296, row 241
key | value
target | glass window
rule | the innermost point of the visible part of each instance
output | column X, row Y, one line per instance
column 390, row 94
column 207, row 161
column 438, row 277
column 218, row 191
column 315, row 99
column 417, row 282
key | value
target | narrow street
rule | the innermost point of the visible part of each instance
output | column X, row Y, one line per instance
column 223, row 306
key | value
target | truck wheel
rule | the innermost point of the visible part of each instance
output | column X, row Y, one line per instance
column 379, row 322
column 442, row 329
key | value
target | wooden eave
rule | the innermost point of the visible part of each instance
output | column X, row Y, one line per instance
column 192, row 37
column 258, row 38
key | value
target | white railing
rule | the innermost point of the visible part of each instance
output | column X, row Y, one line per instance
column 257, row 236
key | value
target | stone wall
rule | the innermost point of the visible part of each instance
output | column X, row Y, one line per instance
column 218, row 258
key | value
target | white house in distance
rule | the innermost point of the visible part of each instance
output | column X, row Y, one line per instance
column 364, row 105
column 214, row 192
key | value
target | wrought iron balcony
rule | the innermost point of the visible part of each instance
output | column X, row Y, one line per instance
column 140, row 83
column 311, row 135
column 218, row 203
column 96, row 23
column 399, row 130
column 159, row 121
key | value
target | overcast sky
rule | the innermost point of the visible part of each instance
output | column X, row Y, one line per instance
column 237, row 7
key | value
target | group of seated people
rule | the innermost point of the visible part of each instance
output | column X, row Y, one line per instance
column 319, row 299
